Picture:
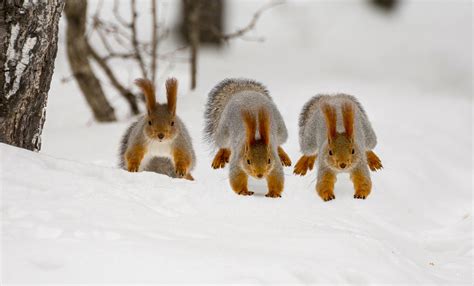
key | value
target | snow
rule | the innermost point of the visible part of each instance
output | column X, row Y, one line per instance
column 69, row 215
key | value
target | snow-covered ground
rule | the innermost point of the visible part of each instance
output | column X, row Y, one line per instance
column 68, row 215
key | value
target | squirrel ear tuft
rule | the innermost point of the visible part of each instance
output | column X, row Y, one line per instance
column 148, row 91
column 264, row 125
column 172, row 94
column 330, row 116
column 250, row 123
column 348, row 119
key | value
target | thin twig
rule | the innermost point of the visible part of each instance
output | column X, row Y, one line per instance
column 250, row 26
column 127, row 94
column 119, row 18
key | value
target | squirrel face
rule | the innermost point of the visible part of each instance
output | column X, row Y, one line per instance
column 341, row 154
column 257, row 159
column 257, row 155
column 161, row 124
column 161, row 118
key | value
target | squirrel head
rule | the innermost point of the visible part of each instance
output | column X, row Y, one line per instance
column 341, row 152
column 161, row 118
column 258, row 158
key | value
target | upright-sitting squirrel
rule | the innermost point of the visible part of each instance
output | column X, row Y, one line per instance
column 245, row 124
column 158, row 141
column 336, row 130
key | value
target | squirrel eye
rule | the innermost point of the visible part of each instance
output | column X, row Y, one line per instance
column 149, row 122
column 269, row 161
column 172, row 123
column 330, row 152
column 248, row 162
column 353, row 151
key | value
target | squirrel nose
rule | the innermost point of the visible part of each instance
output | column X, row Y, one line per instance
column 161, row 135
column 342, row 165
column 259, row 175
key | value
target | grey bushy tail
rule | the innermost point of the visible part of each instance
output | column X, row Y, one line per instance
column 220, row 96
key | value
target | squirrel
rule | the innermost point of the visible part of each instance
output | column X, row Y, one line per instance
column 336, row 130
column 235, row 111
column 158, row 141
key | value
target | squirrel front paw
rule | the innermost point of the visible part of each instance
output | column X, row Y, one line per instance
column 181, row 170
column 273, row 195
column 327, row 195
column 284, row 158
column 373, row 161
column 362, row 185
column 244, row 192
column 303, row 164
column 133, row 166
column 222, row 157
column 325, row 186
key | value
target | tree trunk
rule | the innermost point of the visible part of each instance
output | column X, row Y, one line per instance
column 211, row 20
column 194, row 35
column 28, row 46
column 78, row 55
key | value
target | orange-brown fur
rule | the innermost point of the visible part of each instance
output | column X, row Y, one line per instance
column 348, row 119
column 275, row 186
column 222, row 157
column 238, row 183
column 325, row 187
column 341, row 152
column 257, row 152
column 149, row 92
column 362, row 184
column 304, row 164
column 373, row 161
column 182, row 162
column 172, row 94
column 264, row 126
column 330, row 116
column 284, row 158
column 160, row 126
column 340, row 145
column 250, row 123
column 134, row 156
column 257, row 157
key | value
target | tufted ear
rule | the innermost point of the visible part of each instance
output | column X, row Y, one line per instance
column 171, row 94
column 348, row 119
column 330, row 116
column 149, row 91
column 264, row 125
column 250, row 123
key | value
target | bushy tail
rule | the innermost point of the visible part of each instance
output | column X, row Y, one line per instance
column 220, row 96
column 124, row 145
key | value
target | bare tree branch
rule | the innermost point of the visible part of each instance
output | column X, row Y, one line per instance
column 154, row 39
column 135, row 43
column 251, row 25
column 127, row 94
column 119, row 18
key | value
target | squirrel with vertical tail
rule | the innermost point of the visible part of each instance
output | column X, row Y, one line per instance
column 244, row 123
column 336, row 131
column 159, row 141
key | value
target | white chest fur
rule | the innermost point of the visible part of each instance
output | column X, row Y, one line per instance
column 159, row 149
column 156, row 149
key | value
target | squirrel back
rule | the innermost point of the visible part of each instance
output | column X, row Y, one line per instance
column 220, row 95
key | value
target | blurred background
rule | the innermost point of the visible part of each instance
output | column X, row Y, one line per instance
column 388, row 53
